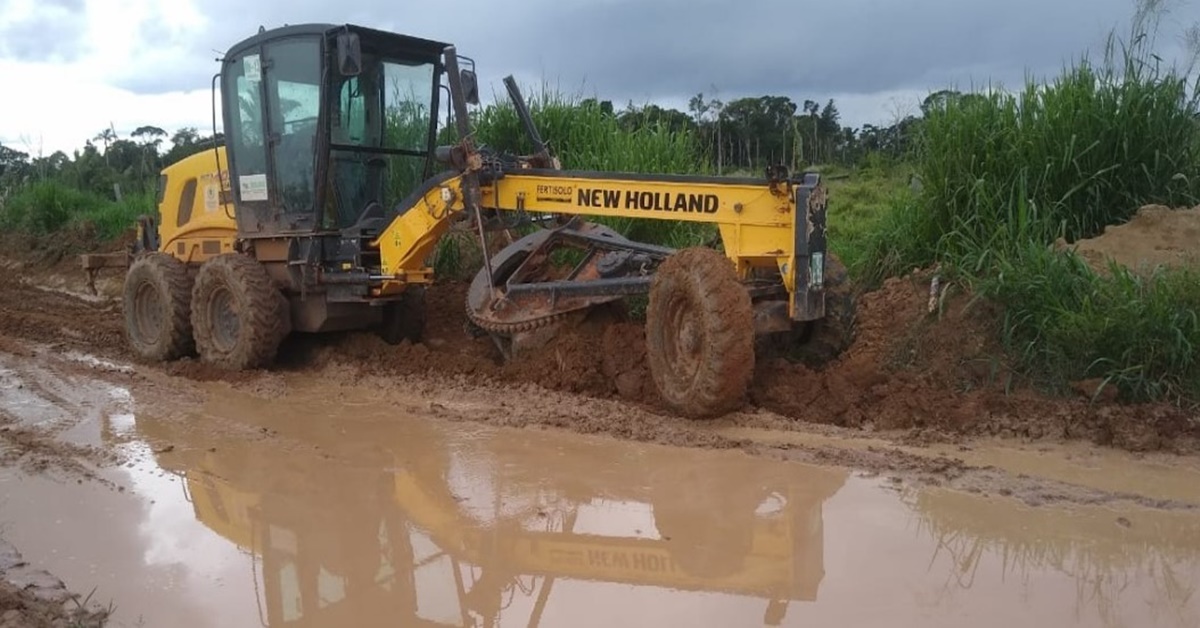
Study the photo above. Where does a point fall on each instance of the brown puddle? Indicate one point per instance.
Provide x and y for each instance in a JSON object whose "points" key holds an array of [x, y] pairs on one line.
{"points": [[323, 509]]}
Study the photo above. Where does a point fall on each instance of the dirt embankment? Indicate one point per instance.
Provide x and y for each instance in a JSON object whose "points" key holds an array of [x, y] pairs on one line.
{"points": [[939, 374], [936, 374], [1157, 236]]}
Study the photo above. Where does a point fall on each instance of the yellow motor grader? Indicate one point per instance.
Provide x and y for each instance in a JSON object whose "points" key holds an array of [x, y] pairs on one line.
{"points": [[324, 204]]}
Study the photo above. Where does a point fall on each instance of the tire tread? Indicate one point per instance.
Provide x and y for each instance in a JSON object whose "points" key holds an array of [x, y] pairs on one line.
{"points": [[265, 313], [708, 279]]}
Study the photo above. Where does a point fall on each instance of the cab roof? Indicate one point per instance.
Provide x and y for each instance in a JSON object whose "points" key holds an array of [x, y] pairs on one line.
{"points": [[372, 39]]}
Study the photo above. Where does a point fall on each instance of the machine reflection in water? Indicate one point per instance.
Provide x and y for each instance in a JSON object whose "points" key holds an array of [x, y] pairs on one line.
{"points": [[467, 534]]}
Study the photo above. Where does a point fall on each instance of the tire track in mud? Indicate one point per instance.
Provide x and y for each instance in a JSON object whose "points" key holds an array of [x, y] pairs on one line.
{"points": [[49, 402]]}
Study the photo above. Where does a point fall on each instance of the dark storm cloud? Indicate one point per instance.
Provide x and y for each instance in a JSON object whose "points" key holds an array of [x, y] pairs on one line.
{"points": [[53, 32], [645, 50], [785, 46]]}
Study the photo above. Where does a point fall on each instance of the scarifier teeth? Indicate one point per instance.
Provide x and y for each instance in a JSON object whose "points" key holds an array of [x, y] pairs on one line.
{"points": [[507, 329]]}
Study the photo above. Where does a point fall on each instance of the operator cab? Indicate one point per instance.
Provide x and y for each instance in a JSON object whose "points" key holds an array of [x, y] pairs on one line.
{"points": [[328, 127]]}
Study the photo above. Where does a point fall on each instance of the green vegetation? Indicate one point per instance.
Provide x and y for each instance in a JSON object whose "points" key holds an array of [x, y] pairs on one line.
{"points": [[1063, 158], [47, 206], [587, 135], [1065, 322], [858, 203], [41, 195], [1003, 176]]}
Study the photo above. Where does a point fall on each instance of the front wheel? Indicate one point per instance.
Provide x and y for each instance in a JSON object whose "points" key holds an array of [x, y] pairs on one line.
{"points": [[700, 333], [239, 317]]}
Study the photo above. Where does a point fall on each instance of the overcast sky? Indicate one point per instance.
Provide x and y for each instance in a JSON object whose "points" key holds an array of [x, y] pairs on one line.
{"points": [[72, 67]]}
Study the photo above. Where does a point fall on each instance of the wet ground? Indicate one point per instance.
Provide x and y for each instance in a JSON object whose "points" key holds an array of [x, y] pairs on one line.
{"points": [[332, 498], [359, 484]]}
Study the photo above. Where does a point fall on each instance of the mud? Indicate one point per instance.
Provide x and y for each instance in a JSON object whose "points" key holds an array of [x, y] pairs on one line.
{"points": [[330, 497], [1156, 237], [932, 376], [355, 482], [34, 598], [936, 376]]}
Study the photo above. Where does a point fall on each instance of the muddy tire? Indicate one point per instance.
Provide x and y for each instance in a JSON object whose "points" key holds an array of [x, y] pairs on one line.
{"points": [[822, 341], [699, 333], [239, 316], [156, 303], [404, 319]]}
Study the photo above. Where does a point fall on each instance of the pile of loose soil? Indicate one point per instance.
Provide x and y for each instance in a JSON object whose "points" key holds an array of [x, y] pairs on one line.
{"points": [[945, 371], [38, 310], [909, 369], [1157, 236]]}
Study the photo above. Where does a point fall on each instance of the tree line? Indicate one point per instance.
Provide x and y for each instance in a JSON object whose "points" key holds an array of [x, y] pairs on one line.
{"points": [[754, 132], [745, 134], [106, 163]]}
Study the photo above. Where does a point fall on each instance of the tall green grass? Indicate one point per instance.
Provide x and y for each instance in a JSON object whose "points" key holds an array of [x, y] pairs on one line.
{"points": [[858, 201], [1139, 333], [1059, 159], [111, 219], [586, 137], [48, 206], [1005, 175]]}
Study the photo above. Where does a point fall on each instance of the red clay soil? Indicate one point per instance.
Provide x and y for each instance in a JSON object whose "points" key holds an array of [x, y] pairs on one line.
{"points": [[908, 369], [944, 371]]}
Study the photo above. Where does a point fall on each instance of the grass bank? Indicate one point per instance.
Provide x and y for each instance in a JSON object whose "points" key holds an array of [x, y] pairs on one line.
{"points": [[1004, 175]]}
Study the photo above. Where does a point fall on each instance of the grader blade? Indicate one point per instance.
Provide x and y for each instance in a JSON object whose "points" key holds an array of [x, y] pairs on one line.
{"points": [[93, 263], [554, 277]]}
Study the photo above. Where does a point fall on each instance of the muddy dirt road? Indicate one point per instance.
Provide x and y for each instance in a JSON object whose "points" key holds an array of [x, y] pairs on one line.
{"points": [[329, 500], [362, 485]]}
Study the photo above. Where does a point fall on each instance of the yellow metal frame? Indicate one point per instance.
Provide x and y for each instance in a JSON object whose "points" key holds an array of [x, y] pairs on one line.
{"points": [[211, 229], [756, 220]]}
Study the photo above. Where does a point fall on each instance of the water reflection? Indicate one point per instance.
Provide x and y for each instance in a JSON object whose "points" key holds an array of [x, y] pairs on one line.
{"points": [[1125, 569], [413, 526]]}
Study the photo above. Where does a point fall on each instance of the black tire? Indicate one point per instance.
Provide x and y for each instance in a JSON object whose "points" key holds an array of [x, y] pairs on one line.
{"points": [[822, 341], [239, 316], [700, 333], [156, 303], [404, 318]]}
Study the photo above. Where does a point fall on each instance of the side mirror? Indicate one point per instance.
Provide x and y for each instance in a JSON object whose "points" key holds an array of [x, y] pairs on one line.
{"points": [[349, 54], [470, 86]]}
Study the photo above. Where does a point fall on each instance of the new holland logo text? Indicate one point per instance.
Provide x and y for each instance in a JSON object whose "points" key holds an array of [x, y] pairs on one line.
{"points": [[648, 201]]}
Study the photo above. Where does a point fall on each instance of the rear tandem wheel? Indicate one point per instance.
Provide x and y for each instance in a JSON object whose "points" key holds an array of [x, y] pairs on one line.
{"points": [[156, 304], [239, 316]]}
